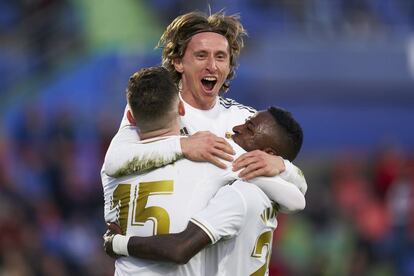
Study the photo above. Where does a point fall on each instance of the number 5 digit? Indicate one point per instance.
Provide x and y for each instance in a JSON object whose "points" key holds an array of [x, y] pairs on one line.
{"points": [[156, 214]]}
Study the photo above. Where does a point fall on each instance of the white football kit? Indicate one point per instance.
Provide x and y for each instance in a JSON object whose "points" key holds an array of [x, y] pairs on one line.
{"points": [[241, 219], [161, 201], [127, 155]]}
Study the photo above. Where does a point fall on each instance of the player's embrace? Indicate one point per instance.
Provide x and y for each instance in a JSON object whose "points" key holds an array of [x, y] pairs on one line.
{"points": [[200, 53]]}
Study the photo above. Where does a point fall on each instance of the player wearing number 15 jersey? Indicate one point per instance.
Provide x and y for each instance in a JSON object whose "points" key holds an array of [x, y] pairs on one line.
{"points": [[160, 202]]}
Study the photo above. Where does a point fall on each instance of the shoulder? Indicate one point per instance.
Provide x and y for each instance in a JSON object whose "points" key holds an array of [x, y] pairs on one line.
{"points": [[201, 170], [231, 104], [253, 197]]}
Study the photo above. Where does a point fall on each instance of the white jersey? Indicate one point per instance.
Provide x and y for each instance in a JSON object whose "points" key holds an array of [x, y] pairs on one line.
{"points": [[219, 120], [243, 218], [160, 202]]}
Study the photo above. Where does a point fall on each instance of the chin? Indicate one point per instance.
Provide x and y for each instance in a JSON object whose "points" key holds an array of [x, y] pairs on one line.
{"points": [[211, 93], [235, 138]]}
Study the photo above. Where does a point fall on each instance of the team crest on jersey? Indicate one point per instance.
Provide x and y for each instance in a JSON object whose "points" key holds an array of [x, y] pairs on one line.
{"points": [[269, 213]]}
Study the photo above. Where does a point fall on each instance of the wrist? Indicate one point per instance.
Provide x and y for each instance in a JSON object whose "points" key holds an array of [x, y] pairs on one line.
{"points": [[183, 145], [120, 245]]}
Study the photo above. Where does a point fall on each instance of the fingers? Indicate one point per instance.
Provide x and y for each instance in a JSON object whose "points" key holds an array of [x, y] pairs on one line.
{"points": [[221, 154], [214, 157], [114, 228], [215, 161], [258, 163], [250, 169], [252, 174], [244, 160], [107, 245], [205, 146], [222, 150], [223, 145]]}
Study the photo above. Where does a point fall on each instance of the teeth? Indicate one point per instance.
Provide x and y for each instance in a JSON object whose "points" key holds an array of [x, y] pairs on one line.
{"points": [[210, 78]]}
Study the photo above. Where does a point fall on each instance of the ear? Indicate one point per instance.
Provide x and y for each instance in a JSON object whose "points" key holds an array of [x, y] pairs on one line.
{"points": [[178, 65], [131, 118], [181, 109], [270, 151]]}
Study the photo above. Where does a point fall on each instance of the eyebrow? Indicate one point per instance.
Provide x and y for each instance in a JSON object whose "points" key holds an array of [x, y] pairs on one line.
{"points": [[249, 122], [200, 52], [220, 52]]}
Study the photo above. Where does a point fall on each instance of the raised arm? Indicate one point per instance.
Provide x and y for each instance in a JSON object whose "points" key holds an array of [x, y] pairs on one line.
{"points": [[288, 196], [178, 248], [127, 155]]}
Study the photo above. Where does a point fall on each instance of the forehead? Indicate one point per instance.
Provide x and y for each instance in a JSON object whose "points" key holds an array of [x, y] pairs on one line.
{"points": [[208, 41], [263, 117]]}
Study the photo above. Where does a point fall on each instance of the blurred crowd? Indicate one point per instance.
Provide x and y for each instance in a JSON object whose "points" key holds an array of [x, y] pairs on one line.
{"points": [[359, 218], [51, 202], [313, 17], [35, 35]]}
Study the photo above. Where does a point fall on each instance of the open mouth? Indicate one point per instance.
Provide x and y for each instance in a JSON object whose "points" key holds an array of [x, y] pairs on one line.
{"points": [[209, 83]]}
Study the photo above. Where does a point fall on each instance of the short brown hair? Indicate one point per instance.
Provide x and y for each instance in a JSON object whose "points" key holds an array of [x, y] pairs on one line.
{"points": [[151, 95], [176, 37]]}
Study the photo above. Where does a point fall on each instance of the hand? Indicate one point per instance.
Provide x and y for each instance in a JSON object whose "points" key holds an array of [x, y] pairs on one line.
{"points": [[112, 229], [205, 146], [258, 163]]}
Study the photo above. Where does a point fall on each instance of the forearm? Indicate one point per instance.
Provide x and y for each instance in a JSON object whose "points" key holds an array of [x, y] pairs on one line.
{"points": [[167, 248], [177, 248], [295, 176], [285, 194], [127, 156]]}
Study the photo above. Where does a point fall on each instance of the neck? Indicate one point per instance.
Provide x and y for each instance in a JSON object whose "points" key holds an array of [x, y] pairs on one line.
{"points": [[171, 131], [188, 97]]}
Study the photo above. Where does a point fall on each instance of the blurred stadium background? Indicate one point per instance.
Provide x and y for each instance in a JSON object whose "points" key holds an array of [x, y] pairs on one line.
{"points": [[344, 68]]}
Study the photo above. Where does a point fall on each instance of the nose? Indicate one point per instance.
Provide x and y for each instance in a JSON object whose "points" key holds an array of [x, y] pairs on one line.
{"points": [[238, 129], [211, 64]]}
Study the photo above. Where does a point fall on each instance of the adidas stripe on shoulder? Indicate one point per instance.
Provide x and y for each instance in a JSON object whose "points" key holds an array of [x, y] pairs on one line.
{"points": [[227, 103]]}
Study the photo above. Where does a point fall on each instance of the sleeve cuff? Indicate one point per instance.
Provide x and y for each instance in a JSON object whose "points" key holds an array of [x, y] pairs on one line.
{"points": [[206, 228]]}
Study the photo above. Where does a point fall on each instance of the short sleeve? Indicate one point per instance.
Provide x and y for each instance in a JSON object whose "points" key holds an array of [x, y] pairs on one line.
{"points": [[224, 215]]}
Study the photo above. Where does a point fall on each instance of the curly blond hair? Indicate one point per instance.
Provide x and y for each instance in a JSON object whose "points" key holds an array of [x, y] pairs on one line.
{"points": [[176, 37]]}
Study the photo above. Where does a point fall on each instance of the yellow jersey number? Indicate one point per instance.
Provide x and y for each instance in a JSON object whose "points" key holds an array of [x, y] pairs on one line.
{"points": [[263, 240], [142, 213]]}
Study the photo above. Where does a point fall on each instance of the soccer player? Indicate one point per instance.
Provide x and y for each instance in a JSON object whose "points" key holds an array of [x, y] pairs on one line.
{"points": [[201, 52], [162, 201]]}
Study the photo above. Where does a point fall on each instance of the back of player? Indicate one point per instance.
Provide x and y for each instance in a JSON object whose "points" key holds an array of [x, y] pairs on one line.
{"points": [[245, 246], [160, 202]]}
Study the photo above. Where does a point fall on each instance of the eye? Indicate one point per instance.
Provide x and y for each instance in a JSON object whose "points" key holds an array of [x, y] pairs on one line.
{"points": [[200, 55], [250, 126], [221, 56]]}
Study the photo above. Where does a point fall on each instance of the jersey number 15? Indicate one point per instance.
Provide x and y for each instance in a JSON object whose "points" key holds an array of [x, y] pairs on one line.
{"points": [[123, 200]]}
